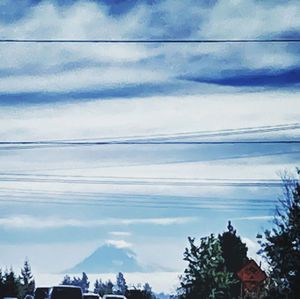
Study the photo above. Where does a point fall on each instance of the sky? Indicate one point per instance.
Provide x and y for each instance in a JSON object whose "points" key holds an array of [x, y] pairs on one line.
{"points": [[111, 156]]}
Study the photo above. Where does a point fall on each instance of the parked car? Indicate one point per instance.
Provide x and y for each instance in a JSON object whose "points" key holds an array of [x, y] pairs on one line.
{"points": [[41, 293], [114, 297], [91, 296], [65, 292]]}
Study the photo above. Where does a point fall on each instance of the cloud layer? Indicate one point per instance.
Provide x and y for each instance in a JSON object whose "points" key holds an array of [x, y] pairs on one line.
{"points": [[109, 68], [29, 222]]}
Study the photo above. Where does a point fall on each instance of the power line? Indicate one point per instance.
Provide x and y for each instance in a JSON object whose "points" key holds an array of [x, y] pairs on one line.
{"points": [[188, 134], [145, 201], [37, 143], [150, 41], [26, 174], [137, 182]]}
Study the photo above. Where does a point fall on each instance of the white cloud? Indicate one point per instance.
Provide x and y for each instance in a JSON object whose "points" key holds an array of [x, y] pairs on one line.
{"points": [[250, 19], [118, 243], [25, 221], [121, 234], [160, 221], [130, 117], [92, 78]]}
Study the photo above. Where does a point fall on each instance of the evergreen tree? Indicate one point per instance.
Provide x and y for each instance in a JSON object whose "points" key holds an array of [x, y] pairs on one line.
{"points": [[84, 283], [206, 275], [109, 287], [11, 285], [147, 290], [102, 288], [77, 281], [28, 283], [138, 293], [97, 286], [281, 246], [67, 280], [234, 252], [121, 284], [1, 284]]}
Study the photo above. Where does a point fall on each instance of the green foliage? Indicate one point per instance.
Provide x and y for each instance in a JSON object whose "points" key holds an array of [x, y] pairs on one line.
{"points": [[234, 252], [281, 246], [206, 275]]}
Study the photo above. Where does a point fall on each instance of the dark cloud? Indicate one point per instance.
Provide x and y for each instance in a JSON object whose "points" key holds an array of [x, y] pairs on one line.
{"points": [[125, 91], [12, 11], [117, 91], [253, 78]]}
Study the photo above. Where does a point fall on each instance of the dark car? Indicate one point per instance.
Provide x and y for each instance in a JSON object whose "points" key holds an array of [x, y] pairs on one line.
{"points": [[65, 292], [41, 293]]}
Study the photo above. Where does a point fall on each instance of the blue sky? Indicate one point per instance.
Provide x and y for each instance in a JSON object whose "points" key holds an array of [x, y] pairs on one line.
{"points": [[61, 202]]}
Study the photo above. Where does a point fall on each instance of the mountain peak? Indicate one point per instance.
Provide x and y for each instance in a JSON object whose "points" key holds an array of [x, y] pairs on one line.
{"points": [[108, 259]]}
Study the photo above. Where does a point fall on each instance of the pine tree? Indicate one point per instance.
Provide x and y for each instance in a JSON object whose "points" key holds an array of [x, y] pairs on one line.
{"points": [[96, 286], [1, 284], [67, 280], [11, 285], [77, 281], [102, 288], [147, 290], [234, 252], [109, 287], [28, 283], [84, 283], [281, 246], [121, 284]]}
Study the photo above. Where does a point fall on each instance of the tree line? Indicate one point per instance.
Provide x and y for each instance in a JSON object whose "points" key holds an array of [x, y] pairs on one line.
{"points": [[120, 288], [213, 264], [19, 286]]}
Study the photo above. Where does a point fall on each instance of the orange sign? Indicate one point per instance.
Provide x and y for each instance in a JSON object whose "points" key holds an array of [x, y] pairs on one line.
{"points": [[251, 275]]}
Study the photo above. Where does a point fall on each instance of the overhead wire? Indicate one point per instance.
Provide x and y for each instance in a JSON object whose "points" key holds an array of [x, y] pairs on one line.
{"points": [[147, 41], [150, 142]]}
